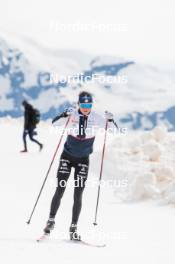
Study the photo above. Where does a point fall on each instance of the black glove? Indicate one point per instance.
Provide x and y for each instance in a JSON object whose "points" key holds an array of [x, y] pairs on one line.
{"points": [[66, 113], [109, 116]]}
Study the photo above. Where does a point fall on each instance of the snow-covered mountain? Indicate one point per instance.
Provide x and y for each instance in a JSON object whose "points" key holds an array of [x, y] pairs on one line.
{"points": [[141, 96]]}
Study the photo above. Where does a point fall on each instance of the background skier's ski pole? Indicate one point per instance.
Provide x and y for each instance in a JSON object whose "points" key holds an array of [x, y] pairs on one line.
{"points": [[101, 171], [47, 174]]}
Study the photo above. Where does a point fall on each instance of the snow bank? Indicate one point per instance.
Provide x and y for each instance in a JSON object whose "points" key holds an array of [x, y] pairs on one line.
{"points": [[146, 161], [141, 165]]}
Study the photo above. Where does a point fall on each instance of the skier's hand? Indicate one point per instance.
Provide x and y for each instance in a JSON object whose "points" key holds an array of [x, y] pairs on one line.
{"points": [[109, 116], [66, 113]]}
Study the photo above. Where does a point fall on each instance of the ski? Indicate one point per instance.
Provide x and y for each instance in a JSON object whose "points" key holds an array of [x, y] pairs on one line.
{"points": [[85, 243], [44, 237]]}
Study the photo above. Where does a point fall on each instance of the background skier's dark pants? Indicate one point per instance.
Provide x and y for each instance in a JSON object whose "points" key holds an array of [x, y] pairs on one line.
{"points": [[31, 134], [81, 166]]}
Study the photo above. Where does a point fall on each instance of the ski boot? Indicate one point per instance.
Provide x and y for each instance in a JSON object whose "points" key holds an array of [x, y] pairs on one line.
{"points": [[23, 151], [40, 147], [73, 233], [50, 226]]}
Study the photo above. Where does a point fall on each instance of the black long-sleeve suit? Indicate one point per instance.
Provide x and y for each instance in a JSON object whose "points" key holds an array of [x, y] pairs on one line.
{"points": [[67, 162]]}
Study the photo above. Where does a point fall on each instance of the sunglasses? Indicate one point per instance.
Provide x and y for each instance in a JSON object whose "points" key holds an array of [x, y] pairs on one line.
{"points": [[86, 105]]}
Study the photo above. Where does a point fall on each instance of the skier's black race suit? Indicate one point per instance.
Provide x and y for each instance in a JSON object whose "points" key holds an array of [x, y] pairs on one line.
{"points": [[81, 166], [75, 155], [77, 148]]}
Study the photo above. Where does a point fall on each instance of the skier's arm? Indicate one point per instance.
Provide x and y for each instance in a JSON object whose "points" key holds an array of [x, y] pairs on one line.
{"points": [[65, 114], [109, 116], [100, 120], [58, 117]]}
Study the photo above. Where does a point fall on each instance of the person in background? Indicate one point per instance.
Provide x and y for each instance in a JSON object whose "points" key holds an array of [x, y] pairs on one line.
{"points": [[31, 119]]}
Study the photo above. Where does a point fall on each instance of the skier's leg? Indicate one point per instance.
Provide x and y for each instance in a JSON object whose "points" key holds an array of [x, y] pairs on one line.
{"points": [[25, 133], [80, 177], [63, 174], [31, 136]]}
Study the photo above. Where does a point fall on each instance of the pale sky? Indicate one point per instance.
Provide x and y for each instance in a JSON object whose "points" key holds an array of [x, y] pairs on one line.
{"points": [[148, 24]]}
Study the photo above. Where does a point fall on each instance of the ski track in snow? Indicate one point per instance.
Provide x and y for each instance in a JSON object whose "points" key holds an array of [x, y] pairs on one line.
{"points": [[143, 231]]}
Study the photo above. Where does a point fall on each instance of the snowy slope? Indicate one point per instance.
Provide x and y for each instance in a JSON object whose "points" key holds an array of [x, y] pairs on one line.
{"points": [[141, 96], [46, 59], [134, 232]]}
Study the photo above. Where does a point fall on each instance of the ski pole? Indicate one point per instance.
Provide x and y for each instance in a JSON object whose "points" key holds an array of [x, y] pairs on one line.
{"points": [[101, 171], [47, 174], [115, 124]]}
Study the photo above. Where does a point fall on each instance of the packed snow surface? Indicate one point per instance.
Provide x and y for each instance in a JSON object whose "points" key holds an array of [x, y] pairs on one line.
{"points": [[136, 216]]}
